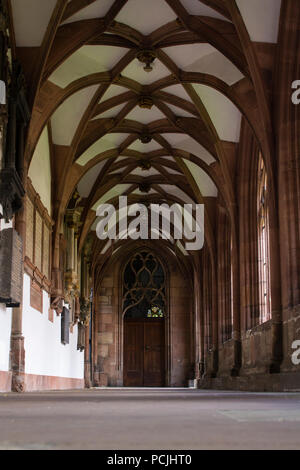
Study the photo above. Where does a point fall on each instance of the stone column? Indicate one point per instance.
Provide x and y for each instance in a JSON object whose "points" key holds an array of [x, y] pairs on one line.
{"points": [[287, 125], [198, 322], [215, 339], [85, 315], [210, 307], [71, 275], [17, 350]]}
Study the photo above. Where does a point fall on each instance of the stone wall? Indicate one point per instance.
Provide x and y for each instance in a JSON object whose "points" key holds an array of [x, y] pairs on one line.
{"points": [[291, 333], [181, 297], [226, 358], [256, 350], [107, 373]]}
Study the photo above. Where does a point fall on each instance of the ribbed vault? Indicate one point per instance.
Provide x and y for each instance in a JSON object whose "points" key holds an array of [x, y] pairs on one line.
{"points": [[145, 98]]}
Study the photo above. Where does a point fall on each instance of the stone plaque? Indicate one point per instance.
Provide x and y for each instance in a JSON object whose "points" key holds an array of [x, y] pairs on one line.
{"points": [[36, 297], [65, 326], [11, 255]]}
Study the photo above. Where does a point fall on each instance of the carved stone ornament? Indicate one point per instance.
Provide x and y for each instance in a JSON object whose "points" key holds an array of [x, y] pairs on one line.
{"points": [[145, 138], [81, 337], [85, 311], [57, 305], [147, 57], [146, 102], [145, 165], [11, 193], [70, 295], [3, 18], [145, 187]]}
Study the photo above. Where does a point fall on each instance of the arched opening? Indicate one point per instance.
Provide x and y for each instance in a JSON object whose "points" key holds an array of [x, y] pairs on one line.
{"points": [[263, 243], [144, 303]]}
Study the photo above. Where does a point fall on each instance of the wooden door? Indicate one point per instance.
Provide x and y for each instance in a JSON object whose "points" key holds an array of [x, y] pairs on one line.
{"points": [[144, 353], [154, 353], [133, 354]]}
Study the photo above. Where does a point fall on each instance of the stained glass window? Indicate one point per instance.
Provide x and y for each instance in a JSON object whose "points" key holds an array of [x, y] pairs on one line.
{"points": [[155, 312], [263, 243], [144, 287]]}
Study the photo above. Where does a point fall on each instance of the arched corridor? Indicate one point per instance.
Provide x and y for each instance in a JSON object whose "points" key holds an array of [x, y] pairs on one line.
{"points": [[149, 195]]}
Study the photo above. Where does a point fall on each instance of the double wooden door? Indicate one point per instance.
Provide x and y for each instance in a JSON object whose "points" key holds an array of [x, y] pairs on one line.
{"points": [[144, 353]]}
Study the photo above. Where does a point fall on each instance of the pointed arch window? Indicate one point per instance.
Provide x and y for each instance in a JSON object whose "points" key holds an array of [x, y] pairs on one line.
{"points": [[144, 291], [263, 244]]}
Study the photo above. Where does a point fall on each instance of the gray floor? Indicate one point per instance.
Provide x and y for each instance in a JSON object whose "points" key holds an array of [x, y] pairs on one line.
{"points": [[149, 419]]}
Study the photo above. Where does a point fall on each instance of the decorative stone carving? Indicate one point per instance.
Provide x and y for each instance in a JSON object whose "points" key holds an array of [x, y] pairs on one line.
{"points": [[12, 133], [72, 294], [145, 138], [147, 57], [57, 304], [81, 337], [13, 115], [145, 165], [146, 102], [145, 187], [11, 193], [70, 297], [85, 311]]}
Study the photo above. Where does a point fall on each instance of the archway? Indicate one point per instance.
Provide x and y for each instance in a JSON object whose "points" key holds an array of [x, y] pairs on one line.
{"points": [[144, 304]]}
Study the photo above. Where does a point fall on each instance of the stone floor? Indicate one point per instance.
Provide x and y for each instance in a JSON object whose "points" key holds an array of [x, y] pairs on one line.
{"points": [[149, 419]]}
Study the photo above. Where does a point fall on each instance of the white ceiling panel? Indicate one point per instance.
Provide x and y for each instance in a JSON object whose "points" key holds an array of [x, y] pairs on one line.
{"points": [[87, 182], [224, 114], [97, 9], [110, 141], [112, 91], [117, 190], [178, 90], [86, 61], [203, 58], [146, 16], [179, 111], [31, 18], [111, 113], [261, 18], [205, 184], [188, 144], [67, 117], [194, 7], [174, 191]]}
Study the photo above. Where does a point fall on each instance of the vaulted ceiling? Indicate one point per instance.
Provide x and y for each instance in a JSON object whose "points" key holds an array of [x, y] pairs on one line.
{"points": [[144, 98]]}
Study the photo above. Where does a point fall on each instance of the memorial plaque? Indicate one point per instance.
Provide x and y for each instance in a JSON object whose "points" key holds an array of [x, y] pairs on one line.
{"points": [[36, 296], [65, 326], [11, 255], [81, 337]]}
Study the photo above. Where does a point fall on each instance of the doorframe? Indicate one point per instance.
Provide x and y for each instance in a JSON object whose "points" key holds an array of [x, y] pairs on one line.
{"points": [[120, 325]]}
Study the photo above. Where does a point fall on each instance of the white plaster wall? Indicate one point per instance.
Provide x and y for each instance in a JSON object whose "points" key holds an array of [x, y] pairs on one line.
{"points": [[5, 321], [5, 331], [44, 352]]}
